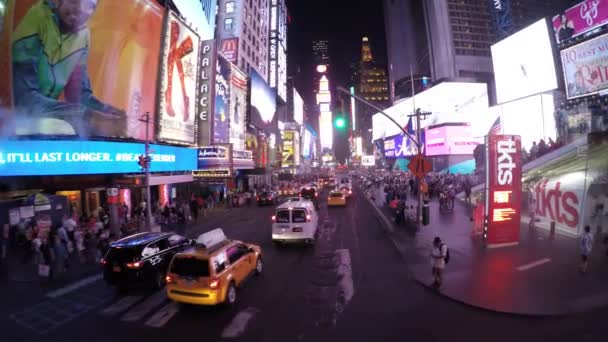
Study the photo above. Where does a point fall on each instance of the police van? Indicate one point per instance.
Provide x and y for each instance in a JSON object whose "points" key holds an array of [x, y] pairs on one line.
{"points": [[295, 221]]}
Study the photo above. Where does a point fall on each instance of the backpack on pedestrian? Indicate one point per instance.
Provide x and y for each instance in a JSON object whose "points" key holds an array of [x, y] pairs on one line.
{"points": [[446, 259]]}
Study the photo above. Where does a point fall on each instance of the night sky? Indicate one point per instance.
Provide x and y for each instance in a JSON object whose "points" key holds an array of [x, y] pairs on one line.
{"points": [[343, 23]]}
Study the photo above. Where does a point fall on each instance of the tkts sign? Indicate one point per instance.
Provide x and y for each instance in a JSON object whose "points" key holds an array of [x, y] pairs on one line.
{"points": [[503, 190]]}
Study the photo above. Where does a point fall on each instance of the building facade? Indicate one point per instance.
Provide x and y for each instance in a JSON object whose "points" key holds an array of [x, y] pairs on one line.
{"points": [[247, 23]]}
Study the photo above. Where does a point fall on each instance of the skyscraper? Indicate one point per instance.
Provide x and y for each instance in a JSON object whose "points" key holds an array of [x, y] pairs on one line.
{"points": [[244, 26], [373, 87]]}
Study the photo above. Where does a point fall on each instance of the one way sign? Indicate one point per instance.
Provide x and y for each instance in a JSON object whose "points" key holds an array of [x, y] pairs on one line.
{"points": [[420, 166]]}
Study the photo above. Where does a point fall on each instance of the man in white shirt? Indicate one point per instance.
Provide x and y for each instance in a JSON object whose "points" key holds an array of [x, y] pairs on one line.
{"points": [[70, 225], [438, 256]]}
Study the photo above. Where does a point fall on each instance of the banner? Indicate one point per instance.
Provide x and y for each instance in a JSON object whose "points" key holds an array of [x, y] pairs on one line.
{"points": [[580, 18], [230, 49], [238, 107], [206, 92], [221, 118], [560, 200], [503, 190], [73, 71], [177, 105], [503, 18], [288, 154], [75, 157], [586, 67]]}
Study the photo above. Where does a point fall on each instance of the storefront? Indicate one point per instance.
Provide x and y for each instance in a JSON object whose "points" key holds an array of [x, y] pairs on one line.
{"points": [[81, 171], [220, 168]]}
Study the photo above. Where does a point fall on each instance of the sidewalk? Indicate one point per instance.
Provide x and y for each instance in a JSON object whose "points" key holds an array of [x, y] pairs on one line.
{"points": [[537, 277]]}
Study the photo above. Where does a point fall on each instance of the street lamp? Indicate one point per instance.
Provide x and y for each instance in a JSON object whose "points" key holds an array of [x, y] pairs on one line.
{"points": [[145, 118]]}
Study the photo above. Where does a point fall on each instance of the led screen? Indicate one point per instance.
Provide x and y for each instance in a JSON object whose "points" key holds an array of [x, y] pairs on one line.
{"points": [[449, 139], [263, 103], [298, 108], [524, 63], [97, 79]]}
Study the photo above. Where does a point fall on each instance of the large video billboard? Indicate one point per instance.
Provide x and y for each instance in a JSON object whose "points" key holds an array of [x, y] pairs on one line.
{"points": [[298, 107], [503, 190], [238, 107], [78, 70], [580, 18], [524, 63], [585, 67], [177, 108], [263, 103], [221, 113], [449, 139]]}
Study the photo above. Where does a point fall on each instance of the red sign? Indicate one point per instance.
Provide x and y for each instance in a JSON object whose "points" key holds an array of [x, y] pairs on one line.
{"points": [[230, 49], [503, 190], [420, 166], [580, 18]]}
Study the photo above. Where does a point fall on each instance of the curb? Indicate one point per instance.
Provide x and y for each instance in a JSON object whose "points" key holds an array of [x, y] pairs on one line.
{"points": [[388, 226]]}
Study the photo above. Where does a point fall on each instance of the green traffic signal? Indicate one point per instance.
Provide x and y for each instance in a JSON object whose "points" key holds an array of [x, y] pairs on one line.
{"points": [[340, 123]]}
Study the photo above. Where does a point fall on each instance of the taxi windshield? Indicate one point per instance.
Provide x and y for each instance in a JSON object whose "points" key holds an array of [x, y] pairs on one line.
{"points": [[335, 194], [190, 267]]}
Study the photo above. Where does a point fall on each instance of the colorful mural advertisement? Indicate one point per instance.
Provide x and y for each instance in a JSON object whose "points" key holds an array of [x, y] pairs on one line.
{"points": [[221, 115]]}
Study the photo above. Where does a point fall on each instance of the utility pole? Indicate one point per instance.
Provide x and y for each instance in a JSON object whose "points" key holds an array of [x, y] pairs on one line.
{"points": [[145, 118], [419, 116]]}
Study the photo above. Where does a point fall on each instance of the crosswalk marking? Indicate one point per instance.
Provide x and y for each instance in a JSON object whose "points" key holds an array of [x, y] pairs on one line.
{"points": [[74, 286], [239, 323], [120, 305], [140, 310], [162, 316]]}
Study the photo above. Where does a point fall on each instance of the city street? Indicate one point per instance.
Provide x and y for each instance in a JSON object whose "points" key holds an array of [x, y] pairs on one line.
{"points": [[301, 296]]}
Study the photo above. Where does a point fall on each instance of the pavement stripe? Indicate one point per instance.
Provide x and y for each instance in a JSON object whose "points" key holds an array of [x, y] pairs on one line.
{"points": [[239, 323], [139, 311], [162, 316], [533, 264], [74, 286], [120, 305]]}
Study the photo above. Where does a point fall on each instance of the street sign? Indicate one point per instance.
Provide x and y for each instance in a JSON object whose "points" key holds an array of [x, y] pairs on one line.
{"points": [[420, 166]]}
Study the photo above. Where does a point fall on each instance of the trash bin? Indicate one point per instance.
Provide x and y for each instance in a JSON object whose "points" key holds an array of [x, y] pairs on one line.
{"points": [[426, 212]]}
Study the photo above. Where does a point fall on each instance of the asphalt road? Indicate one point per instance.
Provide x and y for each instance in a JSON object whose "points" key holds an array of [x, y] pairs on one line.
{"points": [[353, 285]]}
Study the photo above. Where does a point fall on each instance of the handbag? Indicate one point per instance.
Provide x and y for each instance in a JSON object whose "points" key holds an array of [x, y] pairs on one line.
{"points": [[44, 270]]}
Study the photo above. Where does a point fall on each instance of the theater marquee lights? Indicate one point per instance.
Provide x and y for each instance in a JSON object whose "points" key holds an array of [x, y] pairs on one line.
{"points": [[503, 190]]}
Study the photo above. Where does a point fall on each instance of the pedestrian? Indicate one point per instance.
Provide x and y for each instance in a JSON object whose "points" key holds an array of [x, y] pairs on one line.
{"points": [[60, 253], [439, 254], [585, 245]]}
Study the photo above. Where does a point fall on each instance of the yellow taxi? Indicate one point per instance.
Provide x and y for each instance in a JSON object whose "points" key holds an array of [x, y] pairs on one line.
{"points": [[336, 198], [210, 272]]}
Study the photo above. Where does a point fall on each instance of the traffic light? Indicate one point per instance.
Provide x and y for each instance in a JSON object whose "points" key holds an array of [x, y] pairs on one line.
{"points": [[340, 123]]}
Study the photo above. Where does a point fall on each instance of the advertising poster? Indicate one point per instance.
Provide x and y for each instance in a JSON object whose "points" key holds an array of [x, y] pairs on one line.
{"points": [[238, 107], [298, 107], [263, 104], [288, 159], [503, 17], [503, 190], [586, 67], [177, 105], [579, 19], [206, 92], [80, 72], [221, 115], [230, 49], [454, 139]]}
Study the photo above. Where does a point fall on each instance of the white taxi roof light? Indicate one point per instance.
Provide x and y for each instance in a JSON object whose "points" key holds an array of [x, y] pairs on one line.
{"points": [[211, 238]]}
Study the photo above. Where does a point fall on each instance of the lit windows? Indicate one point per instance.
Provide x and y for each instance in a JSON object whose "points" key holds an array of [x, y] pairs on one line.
{"points": [[230, 7], [228, 24]]}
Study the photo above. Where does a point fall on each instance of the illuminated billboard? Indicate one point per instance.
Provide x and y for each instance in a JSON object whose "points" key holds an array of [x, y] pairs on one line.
{"points": [[368, 160], [580, 19], [229, 48], [97, 79], [289, 149], [448, 139], [206, 92], [503, 190], [326, 130], [307, 144], [585, 67], [177, 105], [278, 48], [298, 107], [221, 112], [263, 103], [524, 63], [238, 107]]}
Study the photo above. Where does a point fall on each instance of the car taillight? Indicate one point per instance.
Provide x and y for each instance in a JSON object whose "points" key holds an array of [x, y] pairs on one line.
{"points": [[257, 198], [103, 261], [136, 264], [307, 218], [169, 279], [274, 218], [214, 284]]}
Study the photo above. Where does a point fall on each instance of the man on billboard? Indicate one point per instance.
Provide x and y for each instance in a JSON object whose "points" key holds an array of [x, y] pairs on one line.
{"points": [[50, 78]]}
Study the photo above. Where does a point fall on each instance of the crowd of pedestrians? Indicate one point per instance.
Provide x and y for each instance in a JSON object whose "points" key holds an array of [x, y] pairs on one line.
{"points": [[540, 149]]}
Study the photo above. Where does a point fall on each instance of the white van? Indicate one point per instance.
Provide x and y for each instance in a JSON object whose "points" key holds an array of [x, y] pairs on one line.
{"points": [[295, 221]]}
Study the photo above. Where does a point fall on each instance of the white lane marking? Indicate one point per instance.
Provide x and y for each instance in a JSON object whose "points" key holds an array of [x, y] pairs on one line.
{"points": [[74, 286], [346, 286], [533, 264], [162, 316], [237, 327], [120, 305], [140, 310]]}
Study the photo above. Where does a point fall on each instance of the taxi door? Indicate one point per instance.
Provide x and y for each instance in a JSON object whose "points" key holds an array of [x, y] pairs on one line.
{"points": [[239, 262]]}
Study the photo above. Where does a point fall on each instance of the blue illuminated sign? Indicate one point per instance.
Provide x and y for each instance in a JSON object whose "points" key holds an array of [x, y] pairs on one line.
{"points": [[74, 157]]}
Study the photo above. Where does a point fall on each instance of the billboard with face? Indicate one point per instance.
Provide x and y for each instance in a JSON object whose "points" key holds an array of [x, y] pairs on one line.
{"points": [[177, 109], [80, 67], [263, 104], [238, 107], [221, 118]]}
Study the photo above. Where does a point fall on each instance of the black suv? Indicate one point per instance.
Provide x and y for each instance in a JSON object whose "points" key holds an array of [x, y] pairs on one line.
{"points": [[141, 259], [311, 195], [267, 197]]}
